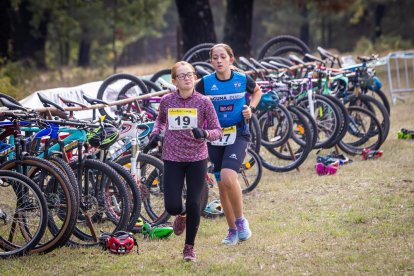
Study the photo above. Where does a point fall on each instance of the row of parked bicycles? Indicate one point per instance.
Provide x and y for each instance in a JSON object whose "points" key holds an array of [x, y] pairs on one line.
{"points": [[66, 181]]}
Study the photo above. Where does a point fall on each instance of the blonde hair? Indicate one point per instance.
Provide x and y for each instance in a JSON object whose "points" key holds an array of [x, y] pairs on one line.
{"points": [[177, 65]]}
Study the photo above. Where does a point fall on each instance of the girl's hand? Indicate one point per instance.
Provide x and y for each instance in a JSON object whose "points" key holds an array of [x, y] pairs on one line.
{"points": [[199, 133], [247, 112]]}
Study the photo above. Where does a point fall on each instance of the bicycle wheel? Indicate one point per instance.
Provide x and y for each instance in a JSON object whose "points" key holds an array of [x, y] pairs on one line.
{"points": [[375, 106], [294, 152], [164, 74], [150, 172], [255, 133], [134, 194], [104, 206], [60, 197], [67, 170], [200, 52], [343, 119], [327, 118], [250, 171], [22, 206], [110, 88], [275, 126], [363, 125], [312, 124], [281, 41], [380, 96]]}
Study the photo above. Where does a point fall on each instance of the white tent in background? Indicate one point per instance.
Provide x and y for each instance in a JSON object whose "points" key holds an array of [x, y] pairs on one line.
{"points": [[73, 93]]}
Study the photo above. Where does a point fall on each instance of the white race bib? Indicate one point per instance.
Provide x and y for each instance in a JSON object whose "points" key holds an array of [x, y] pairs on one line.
{"points": [[182, 118], [228, 138]]}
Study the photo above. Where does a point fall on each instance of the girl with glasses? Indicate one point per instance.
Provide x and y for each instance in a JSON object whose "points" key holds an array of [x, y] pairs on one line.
{"points": [[182, 116]]}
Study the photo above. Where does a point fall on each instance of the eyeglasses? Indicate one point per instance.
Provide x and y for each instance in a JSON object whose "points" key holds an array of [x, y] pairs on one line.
{"points": [[183, 76]]}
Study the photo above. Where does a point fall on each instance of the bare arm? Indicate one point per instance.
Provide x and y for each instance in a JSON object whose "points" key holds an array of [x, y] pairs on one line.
{"points": [[256, 96]]}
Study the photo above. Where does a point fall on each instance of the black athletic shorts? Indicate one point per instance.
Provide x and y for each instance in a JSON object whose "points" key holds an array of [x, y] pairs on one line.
{"points": [[230, 156]]}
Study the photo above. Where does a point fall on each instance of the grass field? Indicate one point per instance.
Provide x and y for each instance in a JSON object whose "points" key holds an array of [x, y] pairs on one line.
{"points": [[359, 221]]}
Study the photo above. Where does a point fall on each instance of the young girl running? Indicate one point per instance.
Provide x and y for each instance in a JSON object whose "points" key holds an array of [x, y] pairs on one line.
{"points": [[182, 115], [227, 89]]}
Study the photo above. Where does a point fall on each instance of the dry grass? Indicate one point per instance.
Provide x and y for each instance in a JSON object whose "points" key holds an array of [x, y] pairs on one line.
{"points": [[359, 221]]}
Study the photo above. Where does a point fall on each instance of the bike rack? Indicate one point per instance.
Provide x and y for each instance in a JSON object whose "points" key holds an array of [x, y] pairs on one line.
{"points": [[400, 68]]}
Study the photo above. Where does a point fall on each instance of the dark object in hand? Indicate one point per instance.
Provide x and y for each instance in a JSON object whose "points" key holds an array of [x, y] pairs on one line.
{"points": [[199, 133], [153, 142]]}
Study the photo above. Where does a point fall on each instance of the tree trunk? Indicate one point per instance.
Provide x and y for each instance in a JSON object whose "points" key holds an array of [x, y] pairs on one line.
{"points": [[28, 43], [238, 26], [304, 28], [5, 29], [379, 15], [196, 21], [84, 53]]}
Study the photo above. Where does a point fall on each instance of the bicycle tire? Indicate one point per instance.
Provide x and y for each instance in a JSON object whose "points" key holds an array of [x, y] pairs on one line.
{"points": [[207, 66], [255, 133], [297, 136], [151, 186], [62, 230], [374, 123], [133, 191], [328, 127], [371, 104], [301, 126], [110, 80], [285, 51], [312, 124], [344, 120], [381, 95], [252, 162], [98, 209], [282, 39], [28, 190], [67, 170], [161, 74], [198, 53], [283, 127]]}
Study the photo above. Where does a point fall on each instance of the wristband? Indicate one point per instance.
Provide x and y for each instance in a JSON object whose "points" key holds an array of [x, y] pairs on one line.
{"points": [[252, 108]]}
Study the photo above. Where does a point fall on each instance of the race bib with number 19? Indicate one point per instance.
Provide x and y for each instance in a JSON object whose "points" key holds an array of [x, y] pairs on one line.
{"points": [[182, 118]]}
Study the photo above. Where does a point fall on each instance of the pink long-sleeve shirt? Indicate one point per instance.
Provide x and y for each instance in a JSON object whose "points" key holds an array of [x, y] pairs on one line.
{"points": [[180, 145]]}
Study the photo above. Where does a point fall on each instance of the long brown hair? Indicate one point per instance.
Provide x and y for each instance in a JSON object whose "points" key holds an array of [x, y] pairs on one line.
{"points": [[229, 51], [226, 47]]}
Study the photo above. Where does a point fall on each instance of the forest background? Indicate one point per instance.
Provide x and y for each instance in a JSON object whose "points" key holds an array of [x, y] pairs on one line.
{"points": [[67, 38]]}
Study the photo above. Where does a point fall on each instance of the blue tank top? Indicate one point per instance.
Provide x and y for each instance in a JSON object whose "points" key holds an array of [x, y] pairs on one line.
{"points": [[228, 97]]}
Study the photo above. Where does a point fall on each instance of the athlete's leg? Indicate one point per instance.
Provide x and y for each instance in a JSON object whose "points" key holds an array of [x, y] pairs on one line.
{"points": [[216, 155], [230, 196], [232, 159], [195, 178], [174, 173]]}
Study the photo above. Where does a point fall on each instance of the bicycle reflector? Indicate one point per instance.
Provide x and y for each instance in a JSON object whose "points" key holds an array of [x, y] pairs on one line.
{"points": [[120, 242]]}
